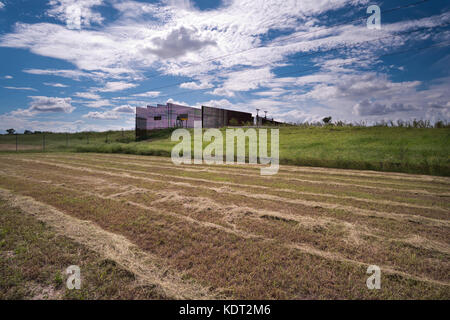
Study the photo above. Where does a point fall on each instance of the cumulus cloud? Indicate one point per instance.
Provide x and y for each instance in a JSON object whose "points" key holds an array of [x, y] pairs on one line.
{"points": [[124, 109], [177, 43], [8, 77], [117, 86], [2, 5], [75, 13], [196, 85], [42, 104], [370, 108]]}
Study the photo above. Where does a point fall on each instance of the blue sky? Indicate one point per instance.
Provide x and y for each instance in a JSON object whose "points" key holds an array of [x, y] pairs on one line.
{"points": [[85, 65]]}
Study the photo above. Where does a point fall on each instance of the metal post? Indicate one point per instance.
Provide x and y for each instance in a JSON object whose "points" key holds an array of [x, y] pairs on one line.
{"points": [[16, 142]]}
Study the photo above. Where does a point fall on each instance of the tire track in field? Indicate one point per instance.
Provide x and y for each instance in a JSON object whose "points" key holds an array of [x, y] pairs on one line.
{"points": [[301, 247], [319, 182], [353, 210], [147, 267]]}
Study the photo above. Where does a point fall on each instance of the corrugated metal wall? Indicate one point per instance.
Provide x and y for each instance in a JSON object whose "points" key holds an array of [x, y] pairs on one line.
{"points": [[168, 116], [218, 118]]}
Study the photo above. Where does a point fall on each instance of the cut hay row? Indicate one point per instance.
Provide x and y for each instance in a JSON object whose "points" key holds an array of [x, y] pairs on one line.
{"points": [[400, 196], [148, 268], [249, 243], [312, 204], [99, 181], [427, 188], [331, 197], [246, 234], [284, 169]]}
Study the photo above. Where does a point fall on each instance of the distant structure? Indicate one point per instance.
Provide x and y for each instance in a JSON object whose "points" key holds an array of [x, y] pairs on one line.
{"points": [[173, 115]]}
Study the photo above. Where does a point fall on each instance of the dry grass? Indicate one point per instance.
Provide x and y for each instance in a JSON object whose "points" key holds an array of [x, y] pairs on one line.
{"points": [[34, 255], [306, 234]]}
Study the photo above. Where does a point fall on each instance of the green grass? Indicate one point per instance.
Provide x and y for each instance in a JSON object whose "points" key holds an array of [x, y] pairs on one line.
{"points": [[397, 149]]}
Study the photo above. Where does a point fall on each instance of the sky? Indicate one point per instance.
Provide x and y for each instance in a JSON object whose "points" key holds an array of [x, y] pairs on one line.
{"points": [[85, 65]]}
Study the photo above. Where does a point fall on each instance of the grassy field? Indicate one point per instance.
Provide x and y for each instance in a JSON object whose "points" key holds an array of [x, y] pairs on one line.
{"points": [[397, 149], [33, 259], [226, 231]]}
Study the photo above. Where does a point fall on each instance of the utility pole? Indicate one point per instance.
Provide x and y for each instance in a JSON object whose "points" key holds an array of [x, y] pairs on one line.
{"points": [[257, 117]]}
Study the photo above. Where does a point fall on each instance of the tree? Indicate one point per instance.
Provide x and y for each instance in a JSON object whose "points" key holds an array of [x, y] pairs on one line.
{"points": [[326, 120], [233, 122], [27, 132], [11, 131]]}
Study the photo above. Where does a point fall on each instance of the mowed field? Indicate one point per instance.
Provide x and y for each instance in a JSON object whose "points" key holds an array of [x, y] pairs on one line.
{"points": [[206, 232]]}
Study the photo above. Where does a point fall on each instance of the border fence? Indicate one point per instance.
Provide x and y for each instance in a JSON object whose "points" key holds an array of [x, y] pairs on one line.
{"points": [[46, 141]]}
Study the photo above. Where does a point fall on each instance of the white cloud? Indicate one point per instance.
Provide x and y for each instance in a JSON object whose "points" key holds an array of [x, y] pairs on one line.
{"points": [[107, 115], [244, 80], [177, 44], [8, 77], [223, 103], [98, 103], [55, 84], [20, 88], [117, 86], [114, 114], [196, 86], [369, 108], [2, 5], [87, 95], [182, 103], [124, 109], [75, 13], [174, 38], [42, 104], [173, 35], [72, 74], [149, 94]]}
